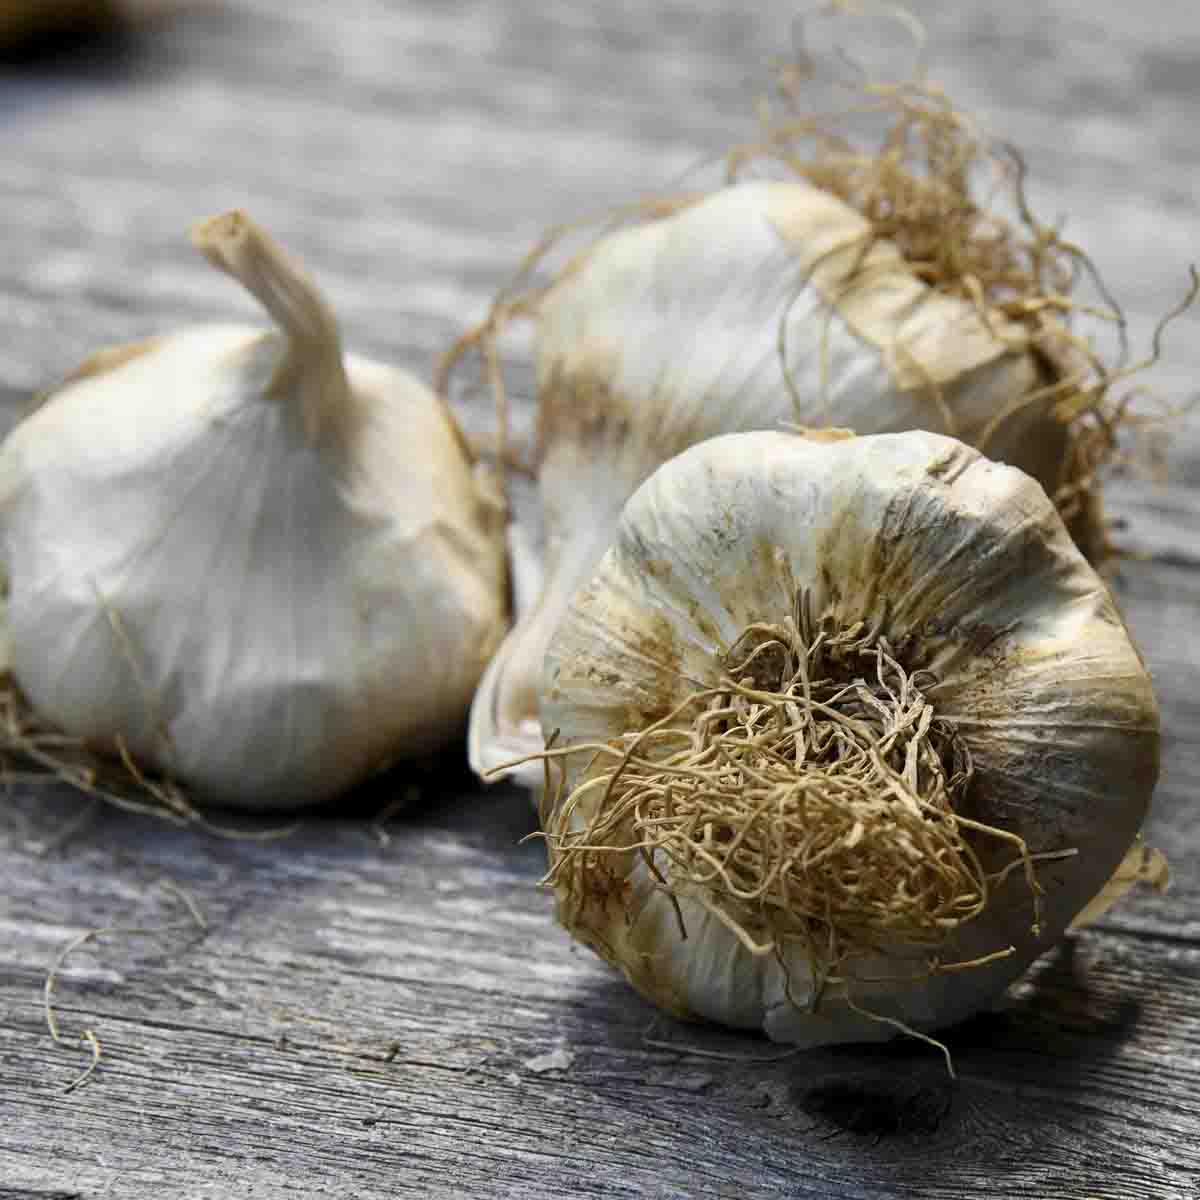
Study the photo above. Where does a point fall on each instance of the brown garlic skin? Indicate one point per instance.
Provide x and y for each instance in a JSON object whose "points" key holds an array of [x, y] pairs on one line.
{"points": [[662, 336], [966, 570]]}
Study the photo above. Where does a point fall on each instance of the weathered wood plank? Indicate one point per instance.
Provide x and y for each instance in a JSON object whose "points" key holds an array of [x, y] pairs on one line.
{"points": [[365, 1020], [452, 139], [425, 989]]}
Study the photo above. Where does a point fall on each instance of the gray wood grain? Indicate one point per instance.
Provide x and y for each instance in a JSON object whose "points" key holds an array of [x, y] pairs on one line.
{"points": [[362, 1019]]}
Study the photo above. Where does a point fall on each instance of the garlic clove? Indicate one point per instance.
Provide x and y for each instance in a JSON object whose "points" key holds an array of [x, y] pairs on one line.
{"points": [[264, 566], [1141, 864], [491, 743], [945, 608], [675, 331]]}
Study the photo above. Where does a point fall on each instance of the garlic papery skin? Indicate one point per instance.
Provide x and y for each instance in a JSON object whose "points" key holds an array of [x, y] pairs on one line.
{"points": [[679, 330], [266, 567], [944, 606]]}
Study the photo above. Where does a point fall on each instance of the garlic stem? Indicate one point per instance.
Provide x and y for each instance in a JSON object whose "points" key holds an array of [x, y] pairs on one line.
{"points": [[311, 369]]}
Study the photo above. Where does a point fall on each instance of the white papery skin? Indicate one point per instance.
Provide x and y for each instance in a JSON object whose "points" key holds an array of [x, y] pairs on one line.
{"points": [[967, 570], [667, 334], [267, 568]]}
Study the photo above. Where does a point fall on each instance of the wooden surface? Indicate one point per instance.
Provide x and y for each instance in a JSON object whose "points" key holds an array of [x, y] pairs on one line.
{"points": [[395, 1014]]}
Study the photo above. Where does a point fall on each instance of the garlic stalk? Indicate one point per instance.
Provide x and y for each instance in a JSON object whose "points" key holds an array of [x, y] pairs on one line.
{"points": [[761, 305], [847, 733], [245, 558]]}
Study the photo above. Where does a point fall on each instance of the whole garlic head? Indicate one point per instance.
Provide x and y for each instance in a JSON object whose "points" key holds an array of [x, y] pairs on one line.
{"points": [[850, 732], [761, 305], [265, 567]]}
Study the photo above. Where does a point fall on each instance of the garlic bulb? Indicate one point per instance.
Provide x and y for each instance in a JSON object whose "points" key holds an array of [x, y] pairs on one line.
{"points": [[850, 732], [264, 567], [679, 330]]}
